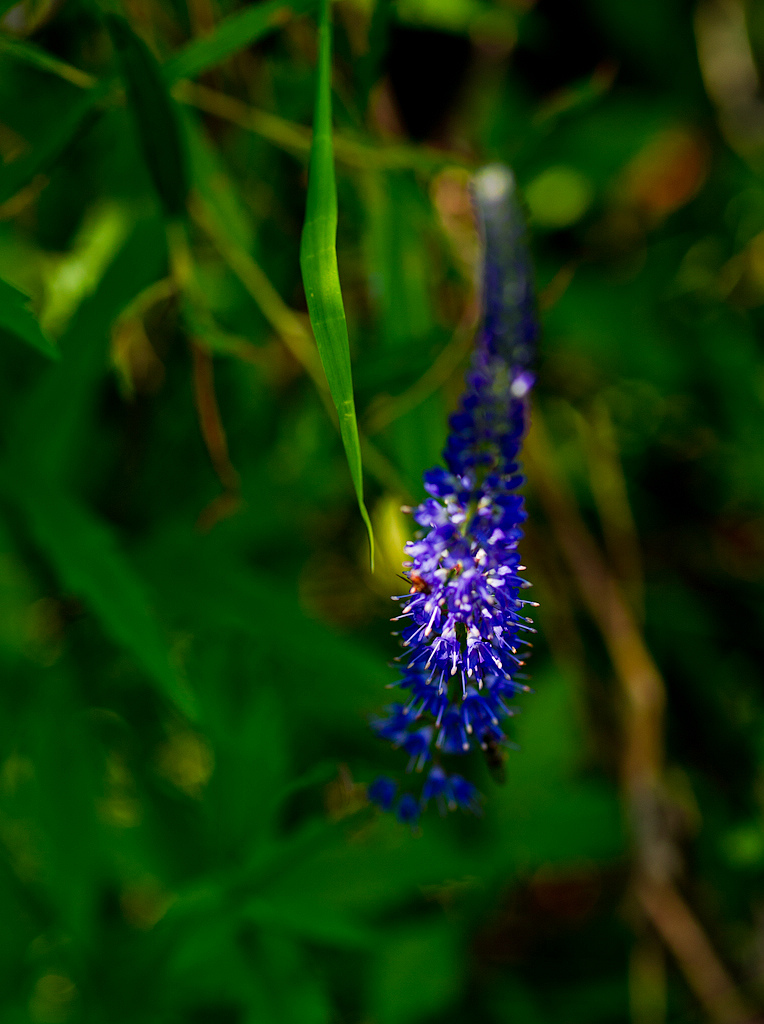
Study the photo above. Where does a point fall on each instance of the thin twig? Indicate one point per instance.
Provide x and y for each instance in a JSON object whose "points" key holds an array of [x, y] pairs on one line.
{"points": [[608, 484], [638, 674], [296, 138], [643, 691], [39, 58], [387, 409], [291, 328], [683, 935], [215, 440]]}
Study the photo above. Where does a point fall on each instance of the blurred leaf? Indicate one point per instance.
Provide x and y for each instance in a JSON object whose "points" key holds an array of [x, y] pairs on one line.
{"points": [[391, 869], [57, 135], [473, 16], [155, 116], [320, 274], [299, 991], [548, 812], [312, 923], [319, 774], [416, 974], [77, 274], [417, 438], [399, 262], [67, 393], [213, 182], [251, 763], [201, 326], [68, 769], [38, 58], [16, 594], [207, 589], [211, 965], [231, 35], [90, 565], [17, 318], [659, 38], [370, 64]]}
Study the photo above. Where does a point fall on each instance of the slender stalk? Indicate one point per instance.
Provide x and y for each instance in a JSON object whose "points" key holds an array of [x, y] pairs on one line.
{"points": [[643, 705]]}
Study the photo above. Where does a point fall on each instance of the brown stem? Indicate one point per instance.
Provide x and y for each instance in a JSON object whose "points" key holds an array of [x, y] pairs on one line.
{"points": [[640, 680], [644, 699], [683, 935], [213, 432]]}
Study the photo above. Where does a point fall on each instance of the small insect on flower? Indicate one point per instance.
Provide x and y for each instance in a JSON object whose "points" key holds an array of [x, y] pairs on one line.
{"points": [[418, 585], [465, 627]]}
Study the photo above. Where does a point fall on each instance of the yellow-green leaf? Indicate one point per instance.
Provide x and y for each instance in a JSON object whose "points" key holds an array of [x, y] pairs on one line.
{"points": [[231, 35], [18, 319]]}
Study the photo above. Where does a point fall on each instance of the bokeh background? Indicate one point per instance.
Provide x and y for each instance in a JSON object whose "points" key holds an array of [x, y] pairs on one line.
{"points": [[191, 640]]}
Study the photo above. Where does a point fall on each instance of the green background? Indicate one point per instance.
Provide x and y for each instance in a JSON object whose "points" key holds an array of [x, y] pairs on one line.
{"points": [[191, 639]]}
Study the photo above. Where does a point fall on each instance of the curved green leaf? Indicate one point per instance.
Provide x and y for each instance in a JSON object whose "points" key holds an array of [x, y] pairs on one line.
{"points": [[231, 35], [320, 274], [155, 116], [89, 563], [18, 319], [57, 136], [34, 55]]}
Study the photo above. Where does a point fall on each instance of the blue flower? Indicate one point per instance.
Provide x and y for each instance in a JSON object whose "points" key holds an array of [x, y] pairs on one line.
{"points": [[407, 810], [450, 792], [382, 792], [464, 628], [462, 793]]}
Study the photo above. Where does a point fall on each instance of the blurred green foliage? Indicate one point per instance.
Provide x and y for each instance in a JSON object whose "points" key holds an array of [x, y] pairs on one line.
{"points": [[191, 640]]}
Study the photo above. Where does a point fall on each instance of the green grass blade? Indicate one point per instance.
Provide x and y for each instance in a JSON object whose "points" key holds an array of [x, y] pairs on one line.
{"points": [[18, 319], [320, 274], [155, 116], [31, 54], [231, 35]]}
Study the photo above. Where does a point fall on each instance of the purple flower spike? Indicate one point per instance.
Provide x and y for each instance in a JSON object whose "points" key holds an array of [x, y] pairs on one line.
{"points": [[464, 625]]}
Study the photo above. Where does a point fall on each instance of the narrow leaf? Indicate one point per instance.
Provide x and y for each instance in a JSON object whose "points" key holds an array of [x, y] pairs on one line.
{"points": [[31, 54], [369, 65], [16, 317], [85, 555], [320, 274], [316, 924], [210, 178], [231, 35], [155, 116], [57, 137]]}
